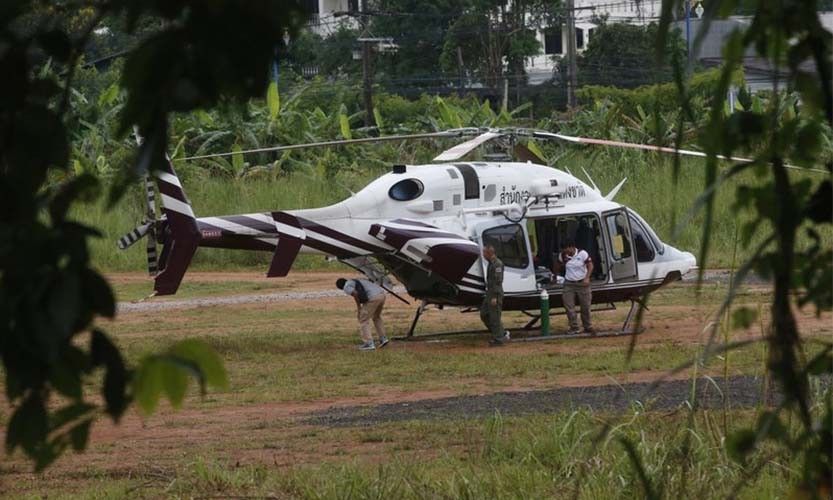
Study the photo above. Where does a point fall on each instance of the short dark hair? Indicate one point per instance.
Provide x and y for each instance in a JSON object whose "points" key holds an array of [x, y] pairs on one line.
{"points": [[569, 243], [340, 283]]}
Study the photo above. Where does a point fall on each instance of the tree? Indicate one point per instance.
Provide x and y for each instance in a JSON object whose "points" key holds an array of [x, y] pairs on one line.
{"points": [[331, 55], [624, 55], [495, 37], [795, 127], [49, 293], [419, 29]]}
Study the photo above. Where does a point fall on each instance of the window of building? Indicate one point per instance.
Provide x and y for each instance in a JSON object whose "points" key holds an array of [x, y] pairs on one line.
{"points": [[509, 243], [579, 38], [311, 6], [552, 41]]}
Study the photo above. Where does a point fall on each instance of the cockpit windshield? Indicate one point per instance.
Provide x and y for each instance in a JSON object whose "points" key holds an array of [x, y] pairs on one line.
{"points": [[658, 244]]}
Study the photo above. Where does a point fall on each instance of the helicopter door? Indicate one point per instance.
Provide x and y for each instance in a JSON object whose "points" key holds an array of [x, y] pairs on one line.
{"points": [[512, 248], [620, 248]]}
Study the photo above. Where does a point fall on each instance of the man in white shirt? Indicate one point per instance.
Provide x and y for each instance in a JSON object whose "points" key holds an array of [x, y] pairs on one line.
{"points": [[370, 299], [578, 267]]}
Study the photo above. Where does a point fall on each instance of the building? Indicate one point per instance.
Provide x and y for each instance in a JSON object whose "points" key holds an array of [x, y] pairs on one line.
{"points": [[328, 15], [553, 39]]}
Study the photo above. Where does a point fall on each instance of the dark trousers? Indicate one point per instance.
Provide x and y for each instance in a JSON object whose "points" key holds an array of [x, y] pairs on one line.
{"points": [[490, 315], [580, 291]]}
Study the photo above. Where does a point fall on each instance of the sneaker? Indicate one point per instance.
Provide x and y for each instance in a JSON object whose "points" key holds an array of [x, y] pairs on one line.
{"points": [[590, 331], [368, 346], [496, 343], [383, 341], [573, 331], [506, 336]]}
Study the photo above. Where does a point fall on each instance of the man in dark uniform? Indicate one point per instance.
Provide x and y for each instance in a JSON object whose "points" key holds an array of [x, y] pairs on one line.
{"points": [[493, 300]]}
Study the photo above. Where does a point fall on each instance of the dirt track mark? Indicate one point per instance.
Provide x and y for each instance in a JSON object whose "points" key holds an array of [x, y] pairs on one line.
{"points": [[710, 276], [743, 391]]}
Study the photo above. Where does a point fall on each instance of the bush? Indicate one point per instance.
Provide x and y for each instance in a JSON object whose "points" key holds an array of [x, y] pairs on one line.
{"points": [[661, 98]]}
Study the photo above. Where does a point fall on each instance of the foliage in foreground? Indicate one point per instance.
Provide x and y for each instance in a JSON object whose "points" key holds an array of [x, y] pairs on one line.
{"points": [[49, 294], [787, 34]]}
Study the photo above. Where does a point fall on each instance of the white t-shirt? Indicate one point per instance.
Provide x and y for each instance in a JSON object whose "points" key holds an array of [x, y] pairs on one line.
{"points": [[575, 266]]}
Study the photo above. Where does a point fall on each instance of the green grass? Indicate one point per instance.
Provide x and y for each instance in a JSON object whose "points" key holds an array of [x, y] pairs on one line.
{"points": [[552, 456], [650, 190], [276, 353]]}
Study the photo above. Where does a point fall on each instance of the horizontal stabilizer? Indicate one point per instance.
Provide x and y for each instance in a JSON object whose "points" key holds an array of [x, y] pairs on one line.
{"points": [[447, 254]]}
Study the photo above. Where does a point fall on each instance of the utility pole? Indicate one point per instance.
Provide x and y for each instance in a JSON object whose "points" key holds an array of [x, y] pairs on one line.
{"points": [[461, 71], [571, 53], [367, 80], [688, 36]]}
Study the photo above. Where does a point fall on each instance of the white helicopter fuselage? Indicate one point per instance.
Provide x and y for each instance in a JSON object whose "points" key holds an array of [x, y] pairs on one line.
{"points": [[426, 225]]}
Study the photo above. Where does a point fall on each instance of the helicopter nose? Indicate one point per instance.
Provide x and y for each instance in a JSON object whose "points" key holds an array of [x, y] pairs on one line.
{"points": [[690, 259]]}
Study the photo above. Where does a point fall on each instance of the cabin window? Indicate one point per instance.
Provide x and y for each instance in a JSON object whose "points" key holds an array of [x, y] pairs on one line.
{"points": [[644, 249], [509, 243], [406, 190], [620, 245]]}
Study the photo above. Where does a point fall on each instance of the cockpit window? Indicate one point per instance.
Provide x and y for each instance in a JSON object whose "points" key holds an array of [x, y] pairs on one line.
{"points": [[658, 244], [406, 190]]}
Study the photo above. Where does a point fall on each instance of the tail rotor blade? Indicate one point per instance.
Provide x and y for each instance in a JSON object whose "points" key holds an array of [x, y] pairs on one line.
{"points": [[153, 260], [150, 188], [133, 236]]}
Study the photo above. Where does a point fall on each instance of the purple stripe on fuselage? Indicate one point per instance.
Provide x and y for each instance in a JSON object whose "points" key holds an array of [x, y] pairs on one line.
{"points": [[313, 226], [257, 225]]}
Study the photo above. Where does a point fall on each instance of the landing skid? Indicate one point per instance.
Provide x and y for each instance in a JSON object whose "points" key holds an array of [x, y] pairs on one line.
{"points": [[627, 327]]}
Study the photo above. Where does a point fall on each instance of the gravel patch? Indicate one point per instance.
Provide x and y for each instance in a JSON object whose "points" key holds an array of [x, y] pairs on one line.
{"points": [[152, 305], [741, 391]]}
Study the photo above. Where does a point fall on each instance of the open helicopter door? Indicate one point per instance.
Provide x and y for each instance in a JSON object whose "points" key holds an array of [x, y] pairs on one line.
{"points": [[511, 243], [620, 245]]}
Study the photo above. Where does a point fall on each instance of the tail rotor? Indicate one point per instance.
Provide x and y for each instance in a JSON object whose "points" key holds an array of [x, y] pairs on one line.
{"points": [[148, 228]]}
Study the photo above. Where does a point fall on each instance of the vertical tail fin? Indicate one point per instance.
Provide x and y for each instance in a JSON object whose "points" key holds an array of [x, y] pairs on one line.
{"points": [[184, 237]]}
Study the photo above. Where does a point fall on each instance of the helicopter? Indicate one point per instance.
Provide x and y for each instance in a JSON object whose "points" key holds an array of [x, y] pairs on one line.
{"points": [[426, 226]]}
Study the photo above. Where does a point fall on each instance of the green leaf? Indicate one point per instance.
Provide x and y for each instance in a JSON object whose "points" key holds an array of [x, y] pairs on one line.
{"points": [[65, 378], [532, 146], [273, 100], [743, 317], [103, 352], [204, 358], [740, 444], [148, 383], [237, 162], [109, 96], [28, 426], [99, 294], [378, 117], [344, 123], [80, 434], [821, 364]]}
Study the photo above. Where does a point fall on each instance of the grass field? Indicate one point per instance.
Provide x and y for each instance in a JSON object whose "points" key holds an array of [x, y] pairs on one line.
{"points": [[290, 359], [650, 190]]}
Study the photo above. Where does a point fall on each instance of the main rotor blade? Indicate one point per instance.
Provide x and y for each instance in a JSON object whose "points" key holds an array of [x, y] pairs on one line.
{"points": [[651, 147], [465, 148], [430, 135]]}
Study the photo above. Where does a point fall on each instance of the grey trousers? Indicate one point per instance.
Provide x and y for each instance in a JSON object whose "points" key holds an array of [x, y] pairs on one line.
{"points": [[582, 292]]}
